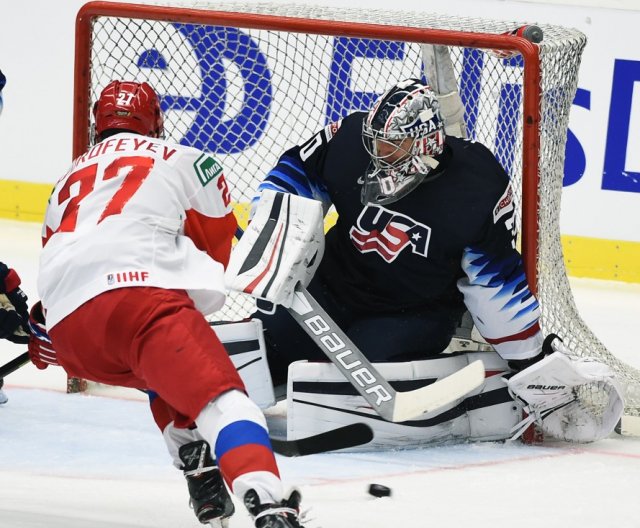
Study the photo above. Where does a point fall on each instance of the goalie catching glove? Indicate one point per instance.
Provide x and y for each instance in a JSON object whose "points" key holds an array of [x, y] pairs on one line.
{"points": [[554, 391], [282, 247]]}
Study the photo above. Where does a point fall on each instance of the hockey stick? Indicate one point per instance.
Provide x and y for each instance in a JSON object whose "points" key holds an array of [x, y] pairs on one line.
{"points": [[14, 364], [392, 405], [341, 438], [439, 71]]}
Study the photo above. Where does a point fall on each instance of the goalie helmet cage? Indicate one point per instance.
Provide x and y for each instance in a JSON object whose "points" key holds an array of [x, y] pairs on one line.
{"points": [[247, 81]]}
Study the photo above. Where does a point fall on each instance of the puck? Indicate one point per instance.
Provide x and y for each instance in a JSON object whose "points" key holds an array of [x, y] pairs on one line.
{"points": [[378, 490]]}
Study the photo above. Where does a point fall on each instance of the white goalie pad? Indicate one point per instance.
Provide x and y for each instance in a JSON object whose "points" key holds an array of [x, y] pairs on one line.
{"points": [[554, 392], [319, 399], [282, 247], [244, 342]]}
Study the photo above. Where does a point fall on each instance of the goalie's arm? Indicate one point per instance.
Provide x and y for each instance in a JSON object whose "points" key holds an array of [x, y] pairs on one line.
{"points": [[439, 71], [299, 170], [495, 288]]}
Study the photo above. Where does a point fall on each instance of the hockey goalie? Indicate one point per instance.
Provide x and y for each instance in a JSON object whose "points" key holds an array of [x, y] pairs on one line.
{"points": [[425, 234], [548, 393]]}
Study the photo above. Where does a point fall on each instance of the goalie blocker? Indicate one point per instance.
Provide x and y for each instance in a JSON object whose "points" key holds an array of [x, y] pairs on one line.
{"points": [[281, 248]]}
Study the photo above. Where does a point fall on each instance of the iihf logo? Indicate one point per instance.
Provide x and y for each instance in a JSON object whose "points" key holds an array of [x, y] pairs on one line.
{"points": [[127, 276], [388, 233]]}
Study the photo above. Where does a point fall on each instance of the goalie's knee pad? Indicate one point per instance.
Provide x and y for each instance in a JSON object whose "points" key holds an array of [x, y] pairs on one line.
{"points": [[244, 342], [319, 399]]}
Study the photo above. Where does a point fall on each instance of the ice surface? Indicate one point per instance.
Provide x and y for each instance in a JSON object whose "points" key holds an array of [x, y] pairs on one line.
{"points": [[71, 461]]}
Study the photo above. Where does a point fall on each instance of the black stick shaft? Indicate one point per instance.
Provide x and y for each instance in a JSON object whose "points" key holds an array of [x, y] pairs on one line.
{"points": [[14, 364]]}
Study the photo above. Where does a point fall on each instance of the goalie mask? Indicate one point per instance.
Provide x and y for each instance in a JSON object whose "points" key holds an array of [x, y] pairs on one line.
{"points": [[125, 105], [402, 133]]}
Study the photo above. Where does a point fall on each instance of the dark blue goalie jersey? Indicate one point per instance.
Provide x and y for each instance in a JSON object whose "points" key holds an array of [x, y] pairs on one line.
{"points": [[448, 242]]}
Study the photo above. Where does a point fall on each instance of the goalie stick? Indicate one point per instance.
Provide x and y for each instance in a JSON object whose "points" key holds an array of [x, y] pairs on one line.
{"points": [[341, 438]]}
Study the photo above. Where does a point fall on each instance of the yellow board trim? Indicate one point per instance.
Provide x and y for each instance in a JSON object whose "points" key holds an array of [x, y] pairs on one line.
{"points": [[584, 256], [599, 258], [24, 201]]}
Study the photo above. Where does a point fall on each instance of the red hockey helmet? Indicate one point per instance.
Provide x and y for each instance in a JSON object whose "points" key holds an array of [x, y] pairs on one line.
{"points": [[127, 105]]}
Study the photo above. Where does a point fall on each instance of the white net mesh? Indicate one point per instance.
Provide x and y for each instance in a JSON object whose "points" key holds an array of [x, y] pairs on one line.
{"points": [[247, 95]]}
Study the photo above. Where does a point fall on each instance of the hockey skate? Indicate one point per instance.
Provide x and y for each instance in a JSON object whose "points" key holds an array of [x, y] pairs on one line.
{"points": [[283, 514], [210, 499]]}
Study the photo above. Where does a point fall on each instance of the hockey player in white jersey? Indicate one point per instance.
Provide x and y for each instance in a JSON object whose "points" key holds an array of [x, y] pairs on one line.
{"points": [[136, 238]]}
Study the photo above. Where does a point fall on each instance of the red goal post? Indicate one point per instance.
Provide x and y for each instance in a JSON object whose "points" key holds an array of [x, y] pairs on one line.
{"points": [[246, 82]]}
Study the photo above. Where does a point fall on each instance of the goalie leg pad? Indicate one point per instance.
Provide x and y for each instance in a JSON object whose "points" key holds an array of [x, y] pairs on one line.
{"points": [[244, 342], [320, 399]]}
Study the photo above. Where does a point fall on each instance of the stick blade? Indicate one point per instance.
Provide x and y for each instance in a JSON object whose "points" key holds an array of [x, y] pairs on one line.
{"points": [[351, 435], [414, 403]]}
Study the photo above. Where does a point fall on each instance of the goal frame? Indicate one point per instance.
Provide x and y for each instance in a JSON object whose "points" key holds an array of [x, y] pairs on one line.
{"points": [[516, 97], [532, 86]]}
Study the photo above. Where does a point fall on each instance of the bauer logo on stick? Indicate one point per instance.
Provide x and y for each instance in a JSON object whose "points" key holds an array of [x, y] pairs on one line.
{"points": [[334, 345]]}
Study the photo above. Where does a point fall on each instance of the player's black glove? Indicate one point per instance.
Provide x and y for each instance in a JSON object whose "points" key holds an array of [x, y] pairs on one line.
{"points": [[14, 311]]}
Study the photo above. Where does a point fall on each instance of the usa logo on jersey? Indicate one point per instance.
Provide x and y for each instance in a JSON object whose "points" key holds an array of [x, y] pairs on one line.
{"points": [[387, 233]]}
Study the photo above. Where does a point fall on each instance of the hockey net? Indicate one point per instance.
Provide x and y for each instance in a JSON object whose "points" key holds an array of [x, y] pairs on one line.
{"points": [[247, 81]]}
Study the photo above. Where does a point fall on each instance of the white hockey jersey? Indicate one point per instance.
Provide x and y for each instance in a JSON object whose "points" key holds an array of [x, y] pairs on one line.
{"points": [[136, 211]]}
